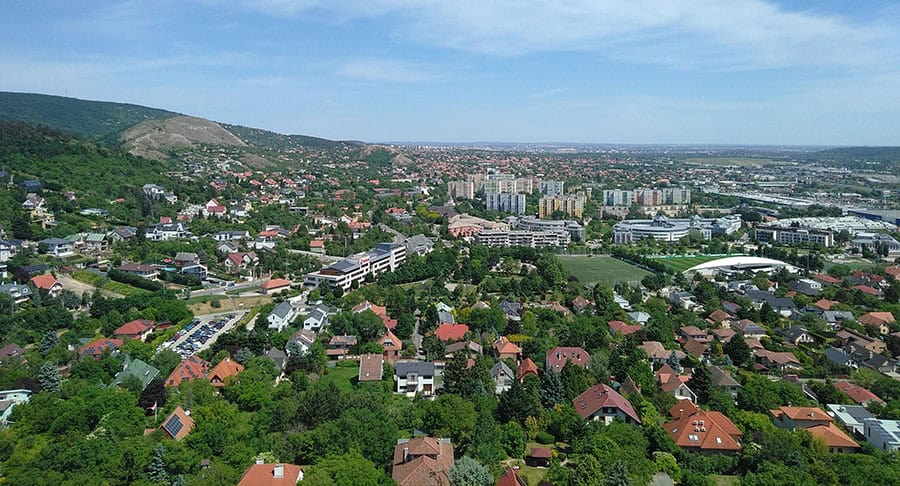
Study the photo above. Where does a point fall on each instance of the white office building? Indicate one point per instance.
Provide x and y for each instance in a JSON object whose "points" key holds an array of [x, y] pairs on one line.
{"points": [[385, 257], [665, 229]]}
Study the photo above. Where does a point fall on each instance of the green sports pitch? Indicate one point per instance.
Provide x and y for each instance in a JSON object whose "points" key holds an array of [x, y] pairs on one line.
{"points": [[593, 269], [682, 263]]}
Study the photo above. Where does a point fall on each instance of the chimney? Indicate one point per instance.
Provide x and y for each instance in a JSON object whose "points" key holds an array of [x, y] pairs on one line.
{"points": [[680, 413], [279, 471], [260, 461]]}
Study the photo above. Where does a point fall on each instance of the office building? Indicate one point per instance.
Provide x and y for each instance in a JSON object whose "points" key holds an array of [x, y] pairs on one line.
{"points": [[793, 236], [385, 257], [666, 229]]}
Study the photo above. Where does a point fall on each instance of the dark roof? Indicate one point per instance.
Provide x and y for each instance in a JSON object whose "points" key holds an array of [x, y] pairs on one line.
{"points": [[421, 368]]}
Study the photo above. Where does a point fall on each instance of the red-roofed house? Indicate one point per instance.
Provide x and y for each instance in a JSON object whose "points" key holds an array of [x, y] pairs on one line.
{"points": [[878, 320], [275, 286], [825, 304], [622, 328], [98, 346], [601, 402], [504, 349], [826, 279], [674, 384], [511, 478], [816, 422], [700, 430], [178, 424], [451, 332], [391, 346], [191, 368], [48, 283], [137, 329], [222, 371], [560, 355], [867, 290], [858, 394], [379, 311], [422, 461], [317, 246], [261, 474], [525, 368]]}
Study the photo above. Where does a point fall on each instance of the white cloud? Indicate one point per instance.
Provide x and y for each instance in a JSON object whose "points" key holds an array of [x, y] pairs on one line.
{"points": [[710, 34], [386, 70]]}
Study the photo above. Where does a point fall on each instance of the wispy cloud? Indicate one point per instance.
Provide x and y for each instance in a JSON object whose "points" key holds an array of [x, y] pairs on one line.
{"points": [[387, 70], [709, 34]]}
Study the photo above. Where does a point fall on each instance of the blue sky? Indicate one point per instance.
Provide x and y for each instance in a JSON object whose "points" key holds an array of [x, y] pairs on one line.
{"points": [[617, 71]]}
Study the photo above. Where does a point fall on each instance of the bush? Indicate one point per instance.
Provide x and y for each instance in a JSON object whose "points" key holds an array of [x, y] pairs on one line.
{"points": [[134, 280], [545, 437], [215, 304]]}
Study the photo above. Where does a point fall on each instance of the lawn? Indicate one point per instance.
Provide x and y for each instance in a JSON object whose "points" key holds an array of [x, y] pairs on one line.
{"points": [[342, 376], [593, 269], [682, 263], [120, 288]]}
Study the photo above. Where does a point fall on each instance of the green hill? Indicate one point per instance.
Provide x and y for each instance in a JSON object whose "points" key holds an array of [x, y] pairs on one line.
{"points": [[99, 120], [65, 162]]}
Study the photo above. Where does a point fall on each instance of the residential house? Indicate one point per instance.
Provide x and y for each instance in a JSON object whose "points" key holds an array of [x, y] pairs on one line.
{"points": [[835, 318], [671, 382], [640, 317], [749, 329], [412, 377], [234, 235], [721, 378], [391, 345], [280, 474], [512, 310], [19, 293], [697, 349], [470, 348], [796, 335], [580, 305], [238, 261], [840, 358], [316, 319], [57, 247], [560, 355], [445, 317], [881, 434], [601, 402], [275, 286], [8, 401], [301, 340], [178, 424], [511, 478], [167, 231], [783, 361], [451, 332], [191, 368], [146, 271], [526, 368], [503, 377], [339, 346], [724, 334], [48, 283], [806, 286], [371, 367], [620, 327], [816, 422], [137, 329], [504, 349], [317, 246], [659, 355], [422, 461], [97, 347], [281, 316], [684, 300], [138, 369], [11, 352], [858, 394], [702, 430], [879, 321], [695, 333], [782, 305], [223, 371], [419, 244], [851, 417]]}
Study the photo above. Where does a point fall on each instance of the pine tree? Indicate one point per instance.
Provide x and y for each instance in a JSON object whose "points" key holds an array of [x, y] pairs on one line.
{"points": [[48, 377], [48, 342], [156, 470], [738, 351], [701, 383], [552, 389], [674, 363]]}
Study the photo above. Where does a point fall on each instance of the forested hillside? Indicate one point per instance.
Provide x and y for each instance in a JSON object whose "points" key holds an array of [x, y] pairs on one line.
{"points": [[100, 120]]}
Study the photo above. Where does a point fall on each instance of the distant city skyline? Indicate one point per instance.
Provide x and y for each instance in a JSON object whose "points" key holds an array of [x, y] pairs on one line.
{"points": [[658, 72]]}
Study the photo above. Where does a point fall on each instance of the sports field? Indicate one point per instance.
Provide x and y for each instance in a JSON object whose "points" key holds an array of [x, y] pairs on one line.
{"points": [[682, 263], [593, 269]]}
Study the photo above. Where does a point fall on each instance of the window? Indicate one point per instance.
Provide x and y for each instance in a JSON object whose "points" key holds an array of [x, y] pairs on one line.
{"points": [[693, 438]]}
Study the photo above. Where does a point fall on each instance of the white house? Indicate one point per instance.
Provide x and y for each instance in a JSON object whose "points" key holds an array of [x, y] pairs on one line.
{"points": [[57, 247], [281, 316], [411, 377], [8, 400], [883, 435], [316, 319]]}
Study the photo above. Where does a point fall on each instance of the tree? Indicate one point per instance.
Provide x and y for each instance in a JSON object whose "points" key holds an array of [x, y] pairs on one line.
{"points": [[457, 378], [518, 403], [48, 377], [350, 469], [156, 471], [701, 382], [552, 390], [588, 472], [513, 439], [48, 342], [617, 475], [154, 394], [738, 351], [468, 472]]}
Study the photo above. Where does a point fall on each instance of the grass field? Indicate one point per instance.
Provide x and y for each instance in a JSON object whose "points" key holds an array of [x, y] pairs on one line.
{"points": [[680, 264], [341, 376], [594, 269]]}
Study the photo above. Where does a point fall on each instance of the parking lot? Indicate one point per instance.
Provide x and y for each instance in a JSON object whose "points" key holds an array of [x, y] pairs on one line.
{"points": [[201, 333]]}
